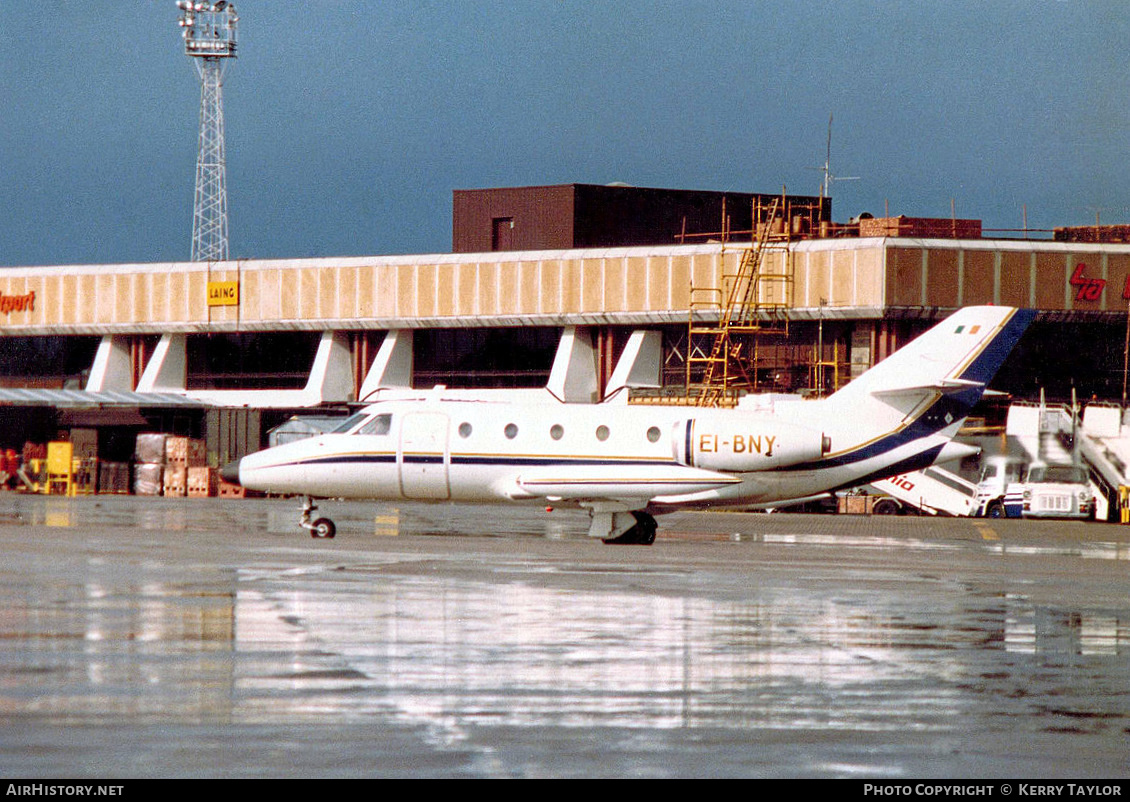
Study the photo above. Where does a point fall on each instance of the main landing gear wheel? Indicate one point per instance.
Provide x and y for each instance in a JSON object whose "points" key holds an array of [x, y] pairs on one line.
{"points": [[322, 528], [642, 534]]}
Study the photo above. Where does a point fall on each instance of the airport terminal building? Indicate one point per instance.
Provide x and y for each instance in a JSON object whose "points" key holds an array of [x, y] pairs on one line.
{"points": [[227, 350]]}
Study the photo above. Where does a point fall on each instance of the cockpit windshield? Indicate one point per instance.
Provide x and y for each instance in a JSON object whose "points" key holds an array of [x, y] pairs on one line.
{"points": [[366, 423], [350, 422], [380, 424]]}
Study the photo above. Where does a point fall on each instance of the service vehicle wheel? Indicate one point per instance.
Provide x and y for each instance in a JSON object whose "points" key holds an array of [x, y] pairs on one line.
{"points": [[885, 507]]}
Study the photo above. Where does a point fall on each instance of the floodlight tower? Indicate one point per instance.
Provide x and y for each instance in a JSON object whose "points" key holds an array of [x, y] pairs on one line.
{"points": [[209, 30]]}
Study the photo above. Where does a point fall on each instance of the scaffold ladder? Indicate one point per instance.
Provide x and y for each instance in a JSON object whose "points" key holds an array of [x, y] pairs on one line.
{"points": [[726, 323]]}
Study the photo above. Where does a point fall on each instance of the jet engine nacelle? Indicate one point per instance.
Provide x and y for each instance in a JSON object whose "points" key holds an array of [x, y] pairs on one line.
{"points": [[751, 445]]}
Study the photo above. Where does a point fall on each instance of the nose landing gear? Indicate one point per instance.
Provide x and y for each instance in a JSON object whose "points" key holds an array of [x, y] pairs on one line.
{"points": [[320, 528]]}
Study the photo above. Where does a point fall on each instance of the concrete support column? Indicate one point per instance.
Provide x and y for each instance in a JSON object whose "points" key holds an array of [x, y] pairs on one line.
{"points": [[112, 370], [886, 340], [640, 364], [574, 375], [392, 367], [167, 368], [331, 377]]}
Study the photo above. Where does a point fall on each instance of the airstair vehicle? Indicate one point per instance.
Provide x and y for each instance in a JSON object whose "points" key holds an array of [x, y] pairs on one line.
{"points": [[1039, 436], [1097, 443], [933, 491], [1104, 446]]}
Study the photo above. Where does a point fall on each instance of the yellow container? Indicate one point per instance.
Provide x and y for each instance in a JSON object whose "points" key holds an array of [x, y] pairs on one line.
{"points": [[60, 469]]}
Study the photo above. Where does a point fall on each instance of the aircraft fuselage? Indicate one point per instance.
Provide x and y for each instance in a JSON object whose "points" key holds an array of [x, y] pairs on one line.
{"points": [[485, 452], [621, 460]]}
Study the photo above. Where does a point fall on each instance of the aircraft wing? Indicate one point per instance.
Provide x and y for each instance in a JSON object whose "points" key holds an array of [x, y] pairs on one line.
{"points": [[581, 482]]}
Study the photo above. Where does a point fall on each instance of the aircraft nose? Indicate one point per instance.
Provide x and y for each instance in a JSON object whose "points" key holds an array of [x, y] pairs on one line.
{"points": [[230, 472]]}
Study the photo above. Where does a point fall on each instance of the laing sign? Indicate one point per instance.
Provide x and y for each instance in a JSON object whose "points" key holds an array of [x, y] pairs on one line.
{"points": [[17, 303], [223, 293]]}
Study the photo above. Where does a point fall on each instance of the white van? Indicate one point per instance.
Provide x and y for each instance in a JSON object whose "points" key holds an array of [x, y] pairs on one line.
{"points": [[996, 476], [1006, 490]]}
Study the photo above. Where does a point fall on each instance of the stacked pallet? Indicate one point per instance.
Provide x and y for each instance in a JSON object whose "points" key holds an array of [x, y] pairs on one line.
{"points": [[172, 466], [228, 490], [185, 451], [113, 477], [149, 464], [201, 481], [175, 481], [186, 465]]}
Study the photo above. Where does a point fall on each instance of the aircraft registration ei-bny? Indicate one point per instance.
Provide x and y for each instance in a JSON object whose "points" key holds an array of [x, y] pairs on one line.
{"points": [[626, 463]]}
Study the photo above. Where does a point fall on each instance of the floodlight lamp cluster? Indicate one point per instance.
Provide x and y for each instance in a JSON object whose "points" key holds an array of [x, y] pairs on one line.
{"points": [[208, 28]]}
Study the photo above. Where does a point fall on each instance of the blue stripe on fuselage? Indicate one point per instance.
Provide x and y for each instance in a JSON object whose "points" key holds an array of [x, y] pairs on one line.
{"points": [[457, 459], [916, 463], [939, 415], [344, 459]]}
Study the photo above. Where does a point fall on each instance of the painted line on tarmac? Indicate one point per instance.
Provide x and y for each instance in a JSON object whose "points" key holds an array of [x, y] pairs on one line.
{"points": [[987, 532]]}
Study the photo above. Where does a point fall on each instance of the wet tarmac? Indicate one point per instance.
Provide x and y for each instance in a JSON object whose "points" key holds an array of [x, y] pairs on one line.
{"points": [[212, 638]]}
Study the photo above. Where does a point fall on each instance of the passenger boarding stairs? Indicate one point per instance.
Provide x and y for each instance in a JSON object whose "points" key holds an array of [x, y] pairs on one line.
{"points": [[933, 491], [1099, 440], [1036, 432], [1105, 448]]}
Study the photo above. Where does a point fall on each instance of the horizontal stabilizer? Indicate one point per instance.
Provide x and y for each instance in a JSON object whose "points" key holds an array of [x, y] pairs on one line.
{"points": [[945, 386], [619, 481]]}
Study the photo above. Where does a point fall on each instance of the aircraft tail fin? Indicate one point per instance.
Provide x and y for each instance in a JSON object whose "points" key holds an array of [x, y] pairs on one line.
{"points": [[916, 400], [956, 358]]}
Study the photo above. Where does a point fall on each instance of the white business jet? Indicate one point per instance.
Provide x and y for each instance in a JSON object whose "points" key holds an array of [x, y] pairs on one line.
{"points": [[625, 463]]}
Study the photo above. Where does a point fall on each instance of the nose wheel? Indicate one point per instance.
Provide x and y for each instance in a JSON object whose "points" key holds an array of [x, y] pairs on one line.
{"points": [[319, 528]]}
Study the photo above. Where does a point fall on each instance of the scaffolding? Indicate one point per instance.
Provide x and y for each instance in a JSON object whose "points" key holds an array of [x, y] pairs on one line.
{"points": [[828, 373], [727, 355]]}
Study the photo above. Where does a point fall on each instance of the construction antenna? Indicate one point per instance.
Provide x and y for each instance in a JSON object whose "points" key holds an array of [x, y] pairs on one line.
{"points": [[826, 184], [209, 31]]}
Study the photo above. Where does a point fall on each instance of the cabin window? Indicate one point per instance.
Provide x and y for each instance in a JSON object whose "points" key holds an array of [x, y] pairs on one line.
{"points": [[347, 424], [601, 433], [557, 431], [511, 431], [653, 434], [381, 424], [464, 430]]}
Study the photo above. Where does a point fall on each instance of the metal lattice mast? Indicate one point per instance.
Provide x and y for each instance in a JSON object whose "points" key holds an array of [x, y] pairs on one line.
{"points": [[210, 38]]}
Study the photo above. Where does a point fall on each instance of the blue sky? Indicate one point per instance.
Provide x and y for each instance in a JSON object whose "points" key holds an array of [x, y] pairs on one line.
{"points": [[348, 124]]}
